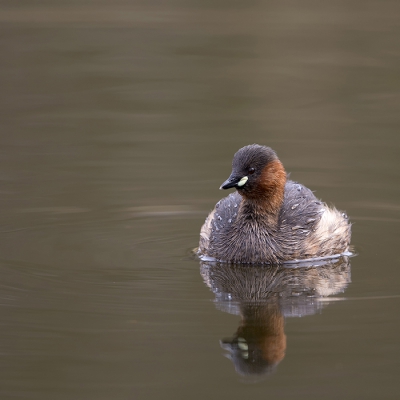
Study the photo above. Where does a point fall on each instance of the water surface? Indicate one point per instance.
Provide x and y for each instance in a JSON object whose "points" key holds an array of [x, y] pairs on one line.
{"points": [[118, 125]]}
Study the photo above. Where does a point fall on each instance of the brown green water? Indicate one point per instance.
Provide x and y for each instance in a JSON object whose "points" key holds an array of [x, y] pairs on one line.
{"points": [[118, 124]]}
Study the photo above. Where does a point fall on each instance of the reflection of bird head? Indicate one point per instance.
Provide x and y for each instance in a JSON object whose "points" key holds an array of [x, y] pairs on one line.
{"points": [[260, 342]]}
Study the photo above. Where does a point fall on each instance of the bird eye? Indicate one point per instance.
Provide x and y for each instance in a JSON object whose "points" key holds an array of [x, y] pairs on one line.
{"points": [[251, 171]]}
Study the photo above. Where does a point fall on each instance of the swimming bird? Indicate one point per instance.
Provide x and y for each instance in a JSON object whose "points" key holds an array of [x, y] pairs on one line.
{"points": [[270, 219]]}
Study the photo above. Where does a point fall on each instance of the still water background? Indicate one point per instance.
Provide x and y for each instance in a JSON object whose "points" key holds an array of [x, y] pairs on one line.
{"points": [[118, 124]]}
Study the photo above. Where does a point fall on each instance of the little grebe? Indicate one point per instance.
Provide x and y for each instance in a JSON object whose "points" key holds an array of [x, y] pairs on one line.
{"points": [[270, 219]]}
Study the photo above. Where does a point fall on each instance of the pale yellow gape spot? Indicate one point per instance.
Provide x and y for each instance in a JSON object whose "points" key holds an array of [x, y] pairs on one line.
{"points": [[243, 181]]}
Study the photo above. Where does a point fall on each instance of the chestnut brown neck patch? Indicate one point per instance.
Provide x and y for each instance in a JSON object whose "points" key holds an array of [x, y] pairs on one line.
{"points": [[269, 191]]}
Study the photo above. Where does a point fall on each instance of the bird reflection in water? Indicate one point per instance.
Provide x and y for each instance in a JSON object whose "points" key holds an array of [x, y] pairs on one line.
{"points": [[264, 296]]}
